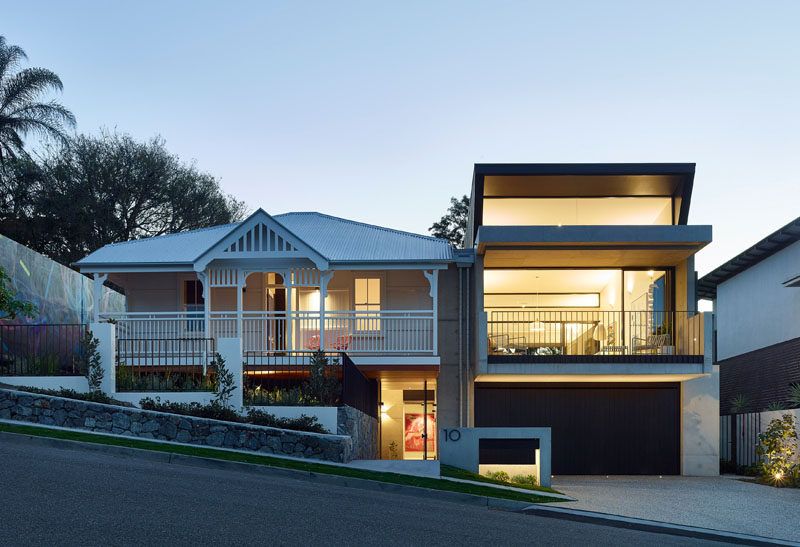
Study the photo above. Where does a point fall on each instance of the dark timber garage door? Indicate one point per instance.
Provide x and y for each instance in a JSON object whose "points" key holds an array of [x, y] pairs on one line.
{"points": [[597, 429]]}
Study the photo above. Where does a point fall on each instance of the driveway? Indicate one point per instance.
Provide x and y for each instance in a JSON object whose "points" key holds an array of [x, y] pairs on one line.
{"points": [[720, 503]]}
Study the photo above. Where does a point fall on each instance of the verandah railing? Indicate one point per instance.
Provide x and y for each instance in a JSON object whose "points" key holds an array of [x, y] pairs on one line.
{"points": [[42, 350], [357, 332], [167, 364], [595, 333]]}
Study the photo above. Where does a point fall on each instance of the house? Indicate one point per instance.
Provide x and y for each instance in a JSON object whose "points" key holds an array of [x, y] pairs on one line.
{"points": [[587, 324], [756, 297], [572, 306]]}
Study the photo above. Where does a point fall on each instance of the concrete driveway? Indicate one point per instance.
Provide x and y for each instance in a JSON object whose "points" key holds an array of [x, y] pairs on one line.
{"points": [[719, 503]]}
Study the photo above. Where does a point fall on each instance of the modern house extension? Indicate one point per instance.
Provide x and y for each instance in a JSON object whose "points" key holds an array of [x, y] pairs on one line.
{"points": [[756, 297], [286, 286], [587, 322]]}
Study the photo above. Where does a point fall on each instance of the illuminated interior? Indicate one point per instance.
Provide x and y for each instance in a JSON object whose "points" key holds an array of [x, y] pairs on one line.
{"points": [[577, 211], [403, 406]]}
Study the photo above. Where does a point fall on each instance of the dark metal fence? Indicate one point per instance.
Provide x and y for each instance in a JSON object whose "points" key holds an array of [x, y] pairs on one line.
{"points": [[42, 350], [358, 391], [739, 438], [283, 379], [177, 364]]}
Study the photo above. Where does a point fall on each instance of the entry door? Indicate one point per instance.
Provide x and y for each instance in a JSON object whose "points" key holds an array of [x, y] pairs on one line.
{"points": [[597, 429]]}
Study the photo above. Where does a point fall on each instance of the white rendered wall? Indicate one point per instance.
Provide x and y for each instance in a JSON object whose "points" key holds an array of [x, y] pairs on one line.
{"points": [[700, 425], [754, 310]]}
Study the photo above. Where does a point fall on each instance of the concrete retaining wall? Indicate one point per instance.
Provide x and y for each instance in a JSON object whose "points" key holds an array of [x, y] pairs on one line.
{"points": [[145, 424]]}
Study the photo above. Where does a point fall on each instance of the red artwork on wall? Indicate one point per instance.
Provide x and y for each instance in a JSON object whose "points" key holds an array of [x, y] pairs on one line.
{"points": [[414, 430]]}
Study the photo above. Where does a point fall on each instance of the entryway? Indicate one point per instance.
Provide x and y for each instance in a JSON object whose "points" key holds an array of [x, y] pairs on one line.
{"points": [[408, 419]]}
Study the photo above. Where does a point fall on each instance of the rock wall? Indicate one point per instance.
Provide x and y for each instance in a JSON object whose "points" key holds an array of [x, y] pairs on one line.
{"points": [[360, 427], [147, 424]]}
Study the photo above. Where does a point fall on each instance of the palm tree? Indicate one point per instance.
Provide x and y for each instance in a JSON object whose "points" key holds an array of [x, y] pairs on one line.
{"points": [[21, 113]]}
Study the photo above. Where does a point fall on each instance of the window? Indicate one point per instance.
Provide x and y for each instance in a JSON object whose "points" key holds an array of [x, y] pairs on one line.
{"points": [[193, 301], [368, 299]]}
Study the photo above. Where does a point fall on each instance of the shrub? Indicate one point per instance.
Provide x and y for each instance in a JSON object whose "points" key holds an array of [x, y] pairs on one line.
{"points": [[740, 404], [528, 480], [774, 405], [215, 411], [777, 448], [322, 385], [499, 476], [794, 395], [223, 385], [92, 397], [90, 361]]}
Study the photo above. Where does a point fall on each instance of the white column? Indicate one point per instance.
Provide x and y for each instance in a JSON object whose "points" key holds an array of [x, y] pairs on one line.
{"points": [[240, 281], [287, 283], [230, 349], [107, 348], [324, 278], [99, 279], [433, 279], [204, 277]]}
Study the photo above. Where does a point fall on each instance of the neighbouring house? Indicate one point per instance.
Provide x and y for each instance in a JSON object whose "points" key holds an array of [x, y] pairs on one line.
{"points": [[756, 297], [587, 324], [571, 307]]}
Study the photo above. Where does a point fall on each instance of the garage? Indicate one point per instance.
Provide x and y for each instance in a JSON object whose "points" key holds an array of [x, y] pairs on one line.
{"points": [[597, 429]]}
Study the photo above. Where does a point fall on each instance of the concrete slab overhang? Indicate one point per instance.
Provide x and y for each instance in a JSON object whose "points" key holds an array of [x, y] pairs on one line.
{"points": [[589, 246]]}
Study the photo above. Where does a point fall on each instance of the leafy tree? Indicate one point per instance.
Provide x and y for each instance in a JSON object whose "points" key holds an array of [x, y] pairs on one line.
{"points": [[10, 305], [453, 225], [72, 200], [21, 112]]}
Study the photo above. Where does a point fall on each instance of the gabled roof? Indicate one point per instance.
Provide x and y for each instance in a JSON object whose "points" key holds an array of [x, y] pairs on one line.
{"points": [[776, 241], [337, 239]]}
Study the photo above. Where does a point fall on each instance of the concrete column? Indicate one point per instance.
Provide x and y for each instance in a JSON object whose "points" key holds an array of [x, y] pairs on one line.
{"points": [[230, 349], [700, 425], [107, 348]]}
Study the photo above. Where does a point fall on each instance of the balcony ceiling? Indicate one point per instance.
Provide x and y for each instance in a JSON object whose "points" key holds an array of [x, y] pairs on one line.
{"points": [[587, 257]]}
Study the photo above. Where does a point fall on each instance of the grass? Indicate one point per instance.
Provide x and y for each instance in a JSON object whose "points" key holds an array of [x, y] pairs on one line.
{"points": [[311, 467], [458, 473]]}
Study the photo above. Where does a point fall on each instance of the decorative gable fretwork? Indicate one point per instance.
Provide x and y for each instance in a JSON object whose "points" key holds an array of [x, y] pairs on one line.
{"points": [[260, 238], [305, 277], [223, 277]]}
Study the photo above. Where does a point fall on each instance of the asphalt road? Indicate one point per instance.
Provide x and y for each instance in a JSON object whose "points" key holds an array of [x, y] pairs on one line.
{"points": [[66, 497]]}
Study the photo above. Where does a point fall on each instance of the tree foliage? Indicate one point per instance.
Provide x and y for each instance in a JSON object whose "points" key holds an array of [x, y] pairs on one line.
{"points": [[777, 447], [21, 110], [10, 306], [453, 225], [91, 363], [74, 199]]}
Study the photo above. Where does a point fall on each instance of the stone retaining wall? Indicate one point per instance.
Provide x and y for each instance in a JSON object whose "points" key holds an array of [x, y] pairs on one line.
{"points": [[362, 428], [147, 424]]}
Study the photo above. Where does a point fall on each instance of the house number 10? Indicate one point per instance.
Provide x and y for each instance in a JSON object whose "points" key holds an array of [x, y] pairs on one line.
{"points": [[453, 435]]}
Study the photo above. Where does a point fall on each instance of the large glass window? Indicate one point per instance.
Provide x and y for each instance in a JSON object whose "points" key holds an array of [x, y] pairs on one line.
{"points": [[577, 211]]}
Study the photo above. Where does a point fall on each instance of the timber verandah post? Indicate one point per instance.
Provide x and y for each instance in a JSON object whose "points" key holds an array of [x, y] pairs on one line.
{"points": [[433, 279], [324, 278]]}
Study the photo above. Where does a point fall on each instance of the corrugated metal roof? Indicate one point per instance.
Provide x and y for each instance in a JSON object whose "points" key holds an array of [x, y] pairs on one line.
{"points": [[777, 240], [338, 239]]}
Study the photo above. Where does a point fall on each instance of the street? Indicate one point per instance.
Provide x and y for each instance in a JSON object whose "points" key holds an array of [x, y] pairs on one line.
{"points": [[67, 497]]}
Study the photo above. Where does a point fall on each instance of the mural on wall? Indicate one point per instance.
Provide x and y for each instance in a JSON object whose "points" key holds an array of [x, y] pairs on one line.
{"points": [[415, 428], [47, 344], [61, 294]]}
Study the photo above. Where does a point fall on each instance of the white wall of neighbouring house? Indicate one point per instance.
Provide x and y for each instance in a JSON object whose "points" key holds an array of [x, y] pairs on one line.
{"points": [[754, 310]]}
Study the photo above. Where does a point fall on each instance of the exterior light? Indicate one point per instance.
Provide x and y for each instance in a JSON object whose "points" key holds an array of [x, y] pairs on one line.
{"points": [[778, 476], [650, 273]]}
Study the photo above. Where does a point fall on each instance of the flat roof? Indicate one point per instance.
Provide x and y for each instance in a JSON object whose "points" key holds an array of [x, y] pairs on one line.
{"points": [[580, 180], [774, 242]]}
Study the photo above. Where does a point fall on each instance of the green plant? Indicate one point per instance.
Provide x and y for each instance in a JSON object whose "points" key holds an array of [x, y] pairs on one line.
{"points": [[43, 365], [794, 394], [393, 452], [90, 361], [322, 385], [776, 449], [775, 405], [498, 476], [10, 305], [740, 404], [525, 479], [224, 387]]}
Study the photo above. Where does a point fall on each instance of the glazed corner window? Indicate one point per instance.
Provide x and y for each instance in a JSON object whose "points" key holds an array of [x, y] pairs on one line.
{"points": [[193, 295], [368, 299]]}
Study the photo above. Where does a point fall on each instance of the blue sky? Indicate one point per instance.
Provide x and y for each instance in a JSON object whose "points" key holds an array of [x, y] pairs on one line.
{"points": [[377, 111]]}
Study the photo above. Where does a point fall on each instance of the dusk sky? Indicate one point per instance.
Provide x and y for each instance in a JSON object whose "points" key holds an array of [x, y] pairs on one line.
{"points": [[378, 111]]}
